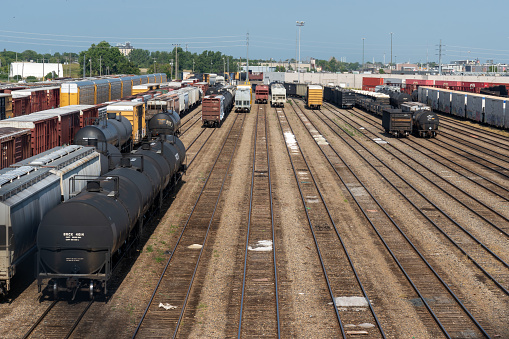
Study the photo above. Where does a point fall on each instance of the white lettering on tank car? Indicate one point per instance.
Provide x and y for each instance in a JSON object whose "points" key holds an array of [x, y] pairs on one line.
{"points": [[69, 236]]}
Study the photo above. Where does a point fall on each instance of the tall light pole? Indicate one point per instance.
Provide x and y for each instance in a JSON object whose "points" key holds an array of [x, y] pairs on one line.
{"points": [[299, 24], [363, 52], [391, 50], [171, 69]]}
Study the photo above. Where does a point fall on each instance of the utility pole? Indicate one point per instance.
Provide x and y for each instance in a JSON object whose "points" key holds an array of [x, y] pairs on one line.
{"points": [[171, 69], [43, 75], [84, 64], [186, 47], [193, 65], [224, 66], [391, 50], [100, 65], [90, 61], [176, 60], [247, 64], [299, 24], [154, 65], [228, 67]]}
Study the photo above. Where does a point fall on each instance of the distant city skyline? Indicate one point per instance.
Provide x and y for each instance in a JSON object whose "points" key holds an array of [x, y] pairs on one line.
{"points": [[332, 28]]}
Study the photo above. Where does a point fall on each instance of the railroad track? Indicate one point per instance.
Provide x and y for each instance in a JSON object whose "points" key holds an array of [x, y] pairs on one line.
{"points": [[175, 285], [472, 131], [453, 318], [259, 304], [474, 177], [466, 138], [473, 204], [338, 270], [59, 320], [194, 119], [478, 251]]}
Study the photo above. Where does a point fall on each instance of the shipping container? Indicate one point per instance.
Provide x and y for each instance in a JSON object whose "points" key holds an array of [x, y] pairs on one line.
{"points": [[419, 82], [14, 145], [314, 96], [43, 130], [495, 111], [135, 113], [447, 83], [372, 82]]}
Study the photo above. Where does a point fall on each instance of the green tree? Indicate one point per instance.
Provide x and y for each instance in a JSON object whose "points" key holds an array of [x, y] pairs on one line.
{"points": [[103, 57]]}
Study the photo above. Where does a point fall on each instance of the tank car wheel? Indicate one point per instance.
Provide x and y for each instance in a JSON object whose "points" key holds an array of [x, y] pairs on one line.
{"points": [[91, 289], [55, 289]]}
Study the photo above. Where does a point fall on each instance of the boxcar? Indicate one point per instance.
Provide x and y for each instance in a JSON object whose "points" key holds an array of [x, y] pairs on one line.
{"points": [[314, 96]]}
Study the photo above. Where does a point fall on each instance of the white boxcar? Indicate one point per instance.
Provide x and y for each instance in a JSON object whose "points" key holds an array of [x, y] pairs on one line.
{"points": [[444, 104], [475, 107], [495, 111], [435, 98], [422, 94], [278, 95], [459, 101]]}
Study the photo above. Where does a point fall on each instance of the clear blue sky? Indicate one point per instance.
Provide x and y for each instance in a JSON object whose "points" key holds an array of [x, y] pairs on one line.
{"points": [[469, 29]]}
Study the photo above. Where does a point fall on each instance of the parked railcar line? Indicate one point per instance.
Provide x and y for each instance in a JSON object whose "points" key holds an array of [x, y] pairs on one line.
{"points": [[488, 258], [412, 263], [176, 289], [337, 267], [259, 306]]}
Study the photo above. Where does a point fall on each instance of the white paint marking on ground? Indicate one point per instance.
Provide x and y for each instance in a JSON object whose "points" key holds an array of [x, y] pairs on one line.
{"points": [[195, 246], [262, 246], [291, 142], [351, 302], [320, 140]]}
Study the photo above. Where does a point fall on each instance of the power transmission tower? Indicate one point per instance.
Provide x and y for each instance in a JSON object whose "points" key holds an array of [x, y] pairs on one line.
{"points": [[440, 57]]}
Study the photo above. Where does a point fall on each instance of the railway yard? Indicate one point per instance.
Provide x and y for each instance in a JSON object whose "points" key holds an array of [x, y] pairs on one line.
{"points": [[292, 222]]}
